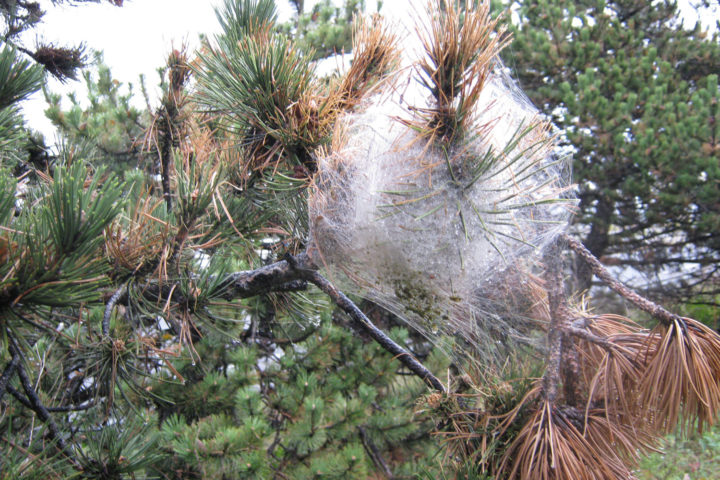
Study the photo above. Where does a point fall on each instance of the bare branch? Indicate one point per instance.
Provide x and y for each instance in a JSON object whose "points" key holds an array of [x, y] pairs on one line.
{"points": [[35, 402], [602, 273], [362, 321], [7, 374], [109, 308]]}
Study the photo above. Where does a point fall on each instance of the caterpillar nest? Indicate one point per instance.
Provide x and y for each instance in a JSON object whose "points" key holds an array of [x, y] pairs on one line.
{"points": [[442, 233]]}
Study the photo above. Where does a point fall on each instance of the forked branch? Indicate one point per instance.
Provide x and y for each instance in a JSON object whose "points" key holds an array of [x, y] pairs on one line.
{"points": [[291, 274], [362, 321], [35, 403]]}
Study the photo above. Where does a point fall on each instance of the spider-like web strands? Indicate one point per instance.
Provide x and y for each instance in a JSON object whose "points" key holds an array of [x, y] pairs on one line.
{"points": [[445, 236]]}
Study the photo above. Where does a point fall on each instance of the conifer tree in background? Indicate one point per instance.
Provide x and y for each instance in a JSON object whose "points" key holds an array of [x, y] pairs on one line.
{"points": [[110, 128], [634, 92], [326, 29], [62, 62], [171, 323]]}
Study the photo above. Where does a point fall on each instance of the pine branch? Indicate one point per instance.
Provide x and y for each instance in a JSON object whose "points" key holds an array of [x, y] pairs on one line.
{"points": [[109, 308], [7, 374], [36, 404], [276, 277], [665, 316], [291, 274], [362, 321]]}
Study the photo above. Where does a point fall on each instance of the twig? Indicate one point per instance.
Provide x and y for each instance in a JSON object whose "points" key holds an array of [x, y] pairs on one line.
{"points": [[68, 408], [109, 308], [589, 337], [35, 403], [7, 374], [374, 453], [19, 397], [665, 316], [378, 335], [168, 140], [276, 441]]}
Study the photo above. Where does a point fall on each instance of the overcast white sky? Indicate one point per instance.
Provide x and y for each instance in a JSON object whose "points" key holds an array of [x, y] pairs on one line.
{"points": [[137, 38]]}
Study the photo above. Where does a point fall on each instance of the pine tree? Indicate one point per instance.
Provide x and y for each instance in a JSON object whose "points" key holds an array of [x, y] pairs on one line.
{"points": [[635, 93], [325, 30], [188, 330], [213, 387], [110, 129]]}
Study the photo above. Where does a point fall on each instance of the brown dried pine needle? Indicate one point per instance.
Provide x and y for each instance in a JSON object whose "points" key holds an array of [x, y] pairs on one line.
{"points": [[618, 438], [375, 56], [551, 447], [461, 46], [611, 364], [138, 245], [681, 382]]}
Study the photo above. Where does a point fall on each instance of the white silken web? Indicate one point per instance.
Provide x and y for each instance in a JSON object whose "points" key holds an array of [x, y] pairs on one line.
{"points": [[448, 238]]}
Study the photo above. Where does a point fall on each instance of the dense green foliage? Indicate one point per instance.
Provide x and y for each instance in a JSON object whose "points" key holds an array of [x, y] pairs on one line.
{"points": [[635, 95], [326, 29], [310, 411]]}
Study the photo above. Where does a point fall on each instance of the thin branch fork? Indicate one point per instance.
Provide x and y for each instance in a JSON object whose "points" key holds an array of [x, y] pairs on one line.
{"points": [[361, 320], [291, 274], [665, 316], [35, 403]]}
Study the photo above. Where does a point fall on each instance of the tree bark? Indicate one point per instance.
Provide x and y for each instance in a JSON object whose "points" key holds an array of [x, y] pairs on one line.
{"points": [[597, 241]]}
